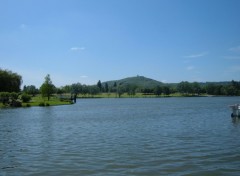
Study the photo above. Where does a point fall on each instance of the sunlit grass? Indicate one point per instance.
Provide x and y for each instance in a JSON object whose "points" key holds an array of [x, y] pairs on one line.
{"points": [[38, 100]]}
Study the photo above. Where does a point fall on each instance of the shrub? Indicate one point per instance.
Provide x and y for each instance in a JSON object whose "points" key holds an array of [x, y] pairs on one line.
{"points": [[26, 98], [28, 105], [14, 95], [4, 97], [41, 104], [47, 104], [16, 103]]}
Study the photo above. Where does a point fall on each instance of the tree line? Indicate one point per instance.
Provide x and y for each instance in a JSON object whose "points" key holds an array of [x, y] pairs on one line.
{"points": [[185, 88], [10, 89]]}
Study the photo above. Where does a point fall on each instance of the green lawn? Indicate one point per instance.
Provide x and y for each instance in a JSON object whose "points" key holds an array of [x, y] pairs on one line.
{"points": [[37, 100]]}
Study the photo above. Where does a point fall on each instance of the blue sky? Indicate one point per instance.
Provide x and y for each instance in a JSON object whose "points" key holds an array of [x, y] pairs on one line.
{"points": [[91, 40]]}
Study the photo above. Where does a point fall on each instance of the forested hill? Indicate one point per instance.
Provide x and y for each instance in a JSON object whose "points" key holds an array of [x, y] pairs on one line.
{"points": [[139, 81]]}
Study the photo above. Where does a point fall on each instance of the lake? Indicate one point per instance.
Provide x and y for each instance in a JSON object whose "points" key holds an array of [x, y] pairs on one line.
{"points": [[138, 136]]}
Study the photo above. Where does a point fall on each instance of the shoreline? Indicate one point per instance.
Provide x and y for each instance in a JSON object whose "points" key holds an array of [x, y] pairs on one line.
{"points": [[54, 101]]}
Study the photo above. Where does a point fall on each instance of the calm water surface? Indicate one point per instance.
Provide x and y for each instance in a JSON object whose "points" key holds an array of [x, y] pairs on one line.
{"points": [[164, 136]]}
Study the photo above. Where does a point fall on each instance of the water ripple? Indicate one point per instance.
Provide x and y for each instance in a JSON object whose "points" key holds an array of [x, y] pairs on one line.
{"points": [[172, 136]]}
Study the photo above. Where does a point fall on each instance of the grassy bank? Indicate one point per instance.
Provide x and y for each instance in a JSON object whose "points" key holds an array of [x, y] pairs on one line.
{"points": [[55, 101], [39, 101]]}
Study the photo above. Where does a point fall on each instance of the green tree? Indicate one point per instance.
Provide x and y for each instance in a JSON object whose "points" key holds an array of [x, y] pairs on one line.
{"points": [[106, 87], [25, 98], [236, 87], [4, 97], [31, 90], [85, 90], [131, 90], [120, 91], [196, 88], [47, 88], [99, 85], [76, 88], [158, 91], [210, 89], [93, 90], [231, 90], [66, 89], [9, 81], [184, 87], [165, 90]]}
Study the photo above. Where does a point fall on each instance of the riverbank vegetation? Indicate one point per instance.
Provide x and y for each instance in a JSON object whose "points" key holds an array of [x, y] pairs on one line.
{"points": [[11, 94], [130, 89], [23, 100]]}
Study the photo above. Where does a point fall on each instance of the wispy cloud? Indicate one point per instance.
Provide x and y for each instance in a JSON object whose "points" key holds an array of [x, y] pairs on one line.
{"points": [[77, 48], [84, 76], [236, 49], [196, 55], [190, 68]]}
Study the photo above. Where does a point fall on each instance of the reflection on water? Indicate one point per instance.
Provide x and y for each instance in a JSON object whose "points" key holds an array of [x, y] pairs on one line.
{"points": [[236, 120], [164, 136]]}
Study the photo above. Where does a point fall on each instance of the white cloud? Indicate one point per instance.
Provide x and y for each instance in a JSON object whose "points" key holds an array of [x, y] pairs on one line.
{"points": [[190, 68], [77, 48], [196, 55], [84, 76], [237, 48]]}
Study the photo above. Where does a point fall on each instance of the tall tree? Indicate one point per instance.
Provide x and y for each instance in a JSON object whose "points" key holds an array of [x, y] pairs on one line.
{"points": [[131, 90], [106, 87], [76, 88], [166, 90], [47, 88], [9, 81], [120, 90], [99, 84], [158, 91], [93, 90], [196, 88], [184, 87]]}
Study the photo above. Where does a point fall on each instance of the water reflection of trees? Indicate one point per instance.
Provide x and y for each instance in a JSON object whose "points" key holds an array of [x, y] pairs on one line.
{"points": [[236, 120]]}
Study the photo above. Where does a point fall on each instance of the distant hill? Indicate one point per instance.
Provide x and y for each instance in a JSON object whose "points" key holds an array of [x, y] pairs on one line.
{"points": [[139, 81], [143, 82]]}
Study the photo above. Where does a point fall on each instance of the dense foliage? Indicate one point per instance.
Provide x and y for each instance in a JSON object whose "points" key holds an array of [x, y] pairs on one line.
{"points": [[31, 90], [10, 99], [25, 98], [185, 88], [9, 81]]}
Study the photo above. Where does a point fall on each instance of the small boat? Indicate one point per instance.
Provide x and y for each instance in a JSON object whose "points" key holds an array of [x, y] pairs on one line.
{"points": [[235, 110]]}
